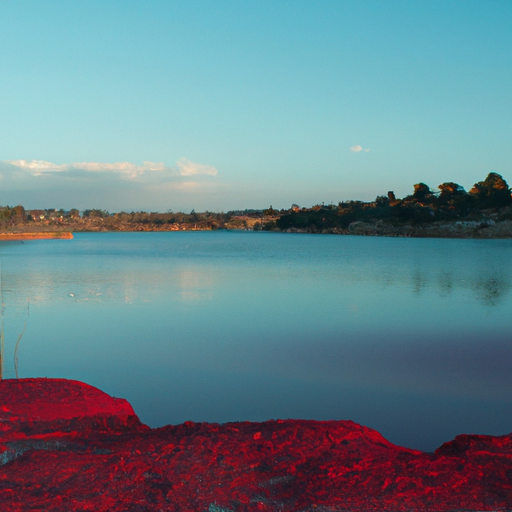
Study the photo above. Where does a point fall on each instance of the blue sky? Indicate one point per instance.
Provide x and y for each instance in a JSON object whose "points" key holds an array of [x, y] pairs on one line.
{"points": [[219, 105]]}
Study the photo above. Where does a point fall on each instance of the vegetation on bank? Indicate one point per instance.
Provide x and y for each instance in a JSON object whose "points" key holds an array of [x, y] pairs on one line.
{"points": [[487, 203], [487, 199]]}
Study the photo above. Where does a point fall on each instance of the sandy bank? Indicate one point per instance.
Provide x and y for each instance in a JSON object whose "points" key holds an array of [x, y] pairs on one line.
{"points": [[41, 235]]}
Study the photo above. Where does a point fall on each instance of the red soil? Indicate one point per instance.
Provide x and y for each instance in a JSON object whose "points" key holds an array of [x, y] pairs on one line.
{"points": [[65, 446]]}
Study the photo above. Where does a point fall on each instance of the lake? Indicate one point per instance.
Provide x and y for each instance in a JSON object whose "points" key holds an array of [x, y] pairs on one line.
{"points": [[411, 337]]}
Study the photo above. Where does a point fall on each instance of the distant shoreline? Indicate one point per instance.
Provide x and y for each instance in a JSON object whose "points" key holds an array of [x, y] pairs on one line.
{"points": [[483, 212], [456, 229]]}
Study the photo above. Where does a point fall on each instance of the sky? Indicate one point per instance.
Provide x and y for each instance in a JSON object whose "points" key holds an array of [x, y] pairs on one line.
{"points": [[219, 105]]}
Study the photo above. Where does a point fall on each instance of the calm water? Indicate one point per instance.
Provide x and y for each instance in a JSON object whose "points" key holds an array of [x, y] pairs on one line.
{"points": [[411, 337]]}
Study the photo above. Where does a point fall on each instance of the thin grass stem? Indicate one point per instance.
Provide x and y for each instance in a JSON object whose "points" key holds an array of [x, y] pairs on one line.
{"points": [[18, 341]]}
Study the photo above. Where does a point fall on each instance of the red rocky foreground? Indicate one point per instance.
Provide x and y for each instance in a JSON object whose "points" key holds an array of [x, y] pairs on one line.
{"points": [[66, 446]]}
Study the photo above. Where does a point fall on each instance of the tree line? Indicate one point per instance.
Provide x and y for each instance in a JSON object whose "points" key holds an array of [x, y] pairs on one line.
{"points": [[450, 202]]}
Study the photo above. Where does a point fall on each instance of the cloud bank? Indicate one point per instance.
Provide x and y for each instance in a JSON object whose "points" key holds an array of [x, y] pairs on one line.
{"points": [[128, 170], [119, 185]]}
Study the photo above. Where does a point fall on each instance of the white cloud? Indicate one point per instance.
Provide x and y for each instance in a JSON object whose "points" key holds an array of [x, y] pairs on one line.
{"points": [[106, 185], [188, 168], [358, 149], [37, 167], [120, 167], [40, 167], [115, 186], [127, 170]]}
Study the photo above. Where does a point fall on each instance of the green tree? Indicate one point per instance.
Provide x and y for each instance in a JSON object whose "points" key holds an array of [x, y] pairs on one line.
{"points": [[103, 214], [270, 212], [450, 189], [493, 192], [381, 201], [73, 213], [421, 192]]}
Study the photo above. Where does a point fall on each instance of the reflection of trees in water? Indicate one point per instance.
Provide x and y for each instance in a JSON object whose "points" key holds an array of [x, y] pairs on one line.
{"points": [[491, 289], [489, 286], [476, 270], [445, 283], [419, 281]]}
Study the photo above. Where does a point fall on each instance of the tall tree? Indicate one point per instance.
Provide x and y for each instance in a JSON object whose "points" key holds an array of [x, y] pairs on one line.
{"points": [[421, 192], [493, 192]]}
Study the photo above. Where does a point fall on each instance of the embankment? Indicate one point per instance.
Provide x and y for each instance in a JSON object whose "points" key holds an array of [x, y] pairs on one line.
{"points": [[38, 235]]}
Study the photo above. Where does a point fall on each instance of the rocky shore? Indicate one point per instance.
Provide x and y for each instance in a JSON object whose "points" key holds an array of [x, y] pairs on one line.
{"points": [[483, 229], [456, 229], [66, 446]]}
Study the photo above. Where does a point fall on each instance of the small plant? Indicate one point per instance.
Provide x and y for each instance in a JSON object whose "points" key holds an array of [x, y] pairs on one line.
{"points": [[2, 348], [2, 336], [18, 340], [2, 326]]}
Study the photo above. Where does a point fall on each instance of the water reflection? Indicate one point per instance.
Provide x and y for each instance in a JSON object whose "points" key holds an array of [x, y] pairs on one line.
{"points": [[481, 270], [195, 285], [489, 288], [131, 285], [492, 289]]}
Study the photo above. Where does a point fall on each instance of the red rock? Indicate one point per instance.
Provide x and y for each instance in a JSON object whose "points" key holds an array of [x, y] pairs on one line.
{"points": [[39, 406], [70, 447]]}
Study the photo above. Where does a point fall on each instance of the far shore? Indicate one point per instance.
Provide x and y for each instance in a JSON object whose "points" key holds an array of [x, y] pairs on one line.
{"points": [[456, 229]]}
